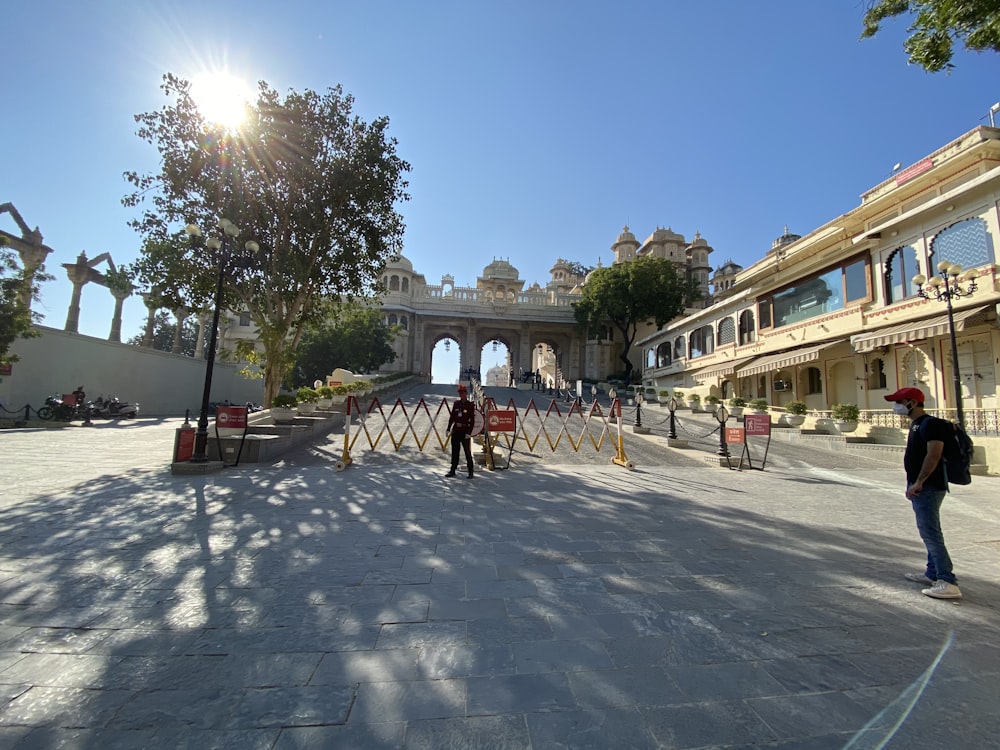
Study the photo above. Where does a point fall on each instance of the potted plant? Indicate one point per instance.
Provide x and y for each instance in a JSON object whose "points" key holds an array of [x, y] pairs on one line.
{"points": [[845, 417], [795, 413], [679, 395], [663, 397], [759, 405], [736, 405], [340, 393], [325, 397], [307, 398], [694, 401], [283, 407], [712, 403]]}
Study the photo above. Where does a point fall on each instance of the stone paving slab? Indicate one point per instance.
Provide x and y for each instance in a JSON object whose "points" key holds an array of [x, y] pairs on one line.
{"points": [[565, 605]]}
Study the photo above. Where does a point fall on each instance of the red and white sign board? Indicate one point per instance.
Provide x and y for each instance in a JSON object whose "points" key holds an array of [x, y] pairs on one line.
{"points": [[231, 417], [757, 424], [501, 420], [734, 435]]}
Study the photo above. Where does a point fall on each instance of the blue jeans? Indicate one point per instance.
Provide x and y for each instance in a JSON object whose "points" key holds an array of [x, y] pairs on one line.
{"points": [[927, 509]]}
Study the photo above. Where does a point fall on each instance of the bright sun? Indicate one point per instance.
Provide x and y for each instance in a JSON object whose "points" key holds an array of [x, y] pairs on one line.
{"points": [[221, 98]]}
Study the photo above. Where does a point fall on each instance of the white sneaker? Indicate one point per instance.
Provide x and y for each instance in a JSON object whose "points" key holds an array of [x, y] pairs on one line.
{"points": [[943, 590], [918, 578]]}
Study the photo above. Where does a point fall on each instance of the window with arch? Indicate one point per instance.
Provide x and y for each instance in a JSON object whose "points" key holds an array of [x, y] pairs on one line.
{"points": [[650, 359], [901, 266], [814, 380], [406, 284], [727, 331], [679, 348], [748, 333], [392, 320], [663, 354], [394, 283], [876, 374], [702, 342], [404, 322], [967, 243]]}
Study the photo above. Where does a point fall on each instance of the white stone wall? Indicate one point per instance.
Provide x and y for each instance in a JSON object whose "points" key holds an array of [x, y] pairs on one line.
{"points": [[164, 384]]}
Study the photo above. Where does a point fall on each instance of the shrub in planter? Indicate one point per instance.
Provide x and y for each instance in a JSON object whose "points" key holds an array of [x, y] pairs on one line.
{"points": [[737, 402], [679, 395], [845, 412], [759, 404], [694, 398], [284, 401], [798, 408], [306, 395], [339, 390], [712, 400], [325, 391]]}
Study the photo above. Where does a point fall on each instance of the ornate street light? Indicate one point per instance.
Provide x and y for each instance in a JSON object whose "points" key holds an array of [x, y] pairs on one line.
{"points": [[722, 415], [947, 287], [229, 233]]}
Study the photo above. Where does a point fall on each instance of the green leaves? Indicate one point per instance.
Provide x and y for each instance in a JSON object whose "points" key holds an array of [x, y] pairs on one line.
{"points": [[937, 25]]}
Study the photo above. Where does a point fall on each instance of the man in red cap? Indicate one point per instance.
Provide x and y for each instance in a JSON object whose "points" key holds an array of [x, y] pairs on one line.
{"points": [[926, 487], [461, 423]]}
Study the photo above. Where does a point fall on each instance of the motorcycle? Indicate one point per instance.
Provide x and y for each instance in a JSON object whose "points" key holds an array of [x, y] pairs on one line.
{"points": [[112, 408], [56, 408]]}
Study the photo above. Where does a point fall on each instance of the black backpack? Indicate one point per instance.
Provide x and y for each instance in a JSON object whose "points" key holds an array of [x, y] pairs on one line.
{"points": [[957, 454]]}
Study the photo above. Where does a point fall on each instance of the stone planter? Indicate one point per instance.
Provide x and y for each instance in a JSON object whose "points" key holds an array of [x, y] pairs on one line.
{"points": [[337, 400], [735, 411], [795, 420], [844, 427], [307, 408], [282, 414], [324, 403]]}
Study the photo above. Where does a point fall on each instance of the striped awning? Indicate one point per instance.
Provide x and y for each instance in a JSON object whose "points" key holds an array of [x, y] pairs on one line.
{"points": [[720, 369], [915, 330], [788, 358]]}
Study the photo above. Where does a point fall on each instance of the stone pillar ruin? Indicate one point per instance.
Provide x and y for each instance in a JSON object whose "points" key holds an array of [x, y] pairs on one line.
{"points": [[116, 320], [180, 315], [149, 298]]}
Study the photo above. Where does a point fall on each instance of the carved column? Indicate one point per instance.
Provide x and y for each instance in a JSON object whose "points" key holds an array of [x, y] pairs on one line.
{"points": [[149, 299], [180, 315], [116, 320], [79, 274], [199, 344]]}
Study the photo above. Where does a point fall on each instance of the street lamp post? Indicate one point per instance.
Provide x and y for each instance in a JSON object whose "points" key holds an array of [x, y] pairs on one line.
{"points": [[229, 232], [947, 287], [722, 415]]}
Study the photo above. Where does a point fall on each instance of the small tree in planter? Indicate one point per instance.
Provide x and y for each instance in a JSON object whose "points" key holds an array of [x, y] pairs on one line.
{"points": [[307, 398], [759, 405], [679, 395], [283, 407], [694, 400], [339, 393], [663, 397], [845, 417], [325, 397], [795, 413], [736, 406]]}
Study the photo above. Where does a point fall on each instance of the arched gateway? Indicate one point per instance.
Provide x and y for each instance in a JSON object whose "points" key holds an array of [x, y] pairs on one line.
{"points": [[535, 324]]}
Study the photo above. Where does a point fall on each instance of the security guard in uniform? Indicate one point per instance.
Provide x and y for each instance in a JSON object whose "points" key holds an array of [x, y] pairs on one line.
{"points": [[460, 425]]}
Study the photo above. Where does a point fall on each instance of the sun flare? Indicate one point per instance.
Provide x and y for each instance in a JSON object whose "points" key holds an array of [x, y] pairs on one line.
{"points": [[221, 98]]}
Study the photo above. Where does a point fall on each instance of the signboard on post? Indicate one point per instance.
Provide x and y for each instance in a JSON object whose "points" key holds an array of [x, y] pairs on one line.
{"points": [[757, 424], [231, 417], [501, 420], [734, 435]]}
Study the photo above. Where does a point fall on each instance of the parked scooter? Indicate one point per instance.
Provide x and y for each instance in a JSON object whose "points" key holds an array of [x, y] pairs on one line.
{"points": [[112, 408]]}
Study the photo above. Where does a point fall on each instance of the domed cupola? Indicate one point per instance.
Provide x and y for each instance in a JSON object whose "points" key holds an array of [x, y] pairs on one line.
{"points": [[625, 246], [786, 239]]}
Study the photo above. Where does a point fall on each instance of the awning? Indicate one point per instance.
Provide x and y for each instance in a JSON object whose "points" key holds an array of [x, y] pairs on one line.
{"points": [[788, 358], [720, 369], [914, 330]]}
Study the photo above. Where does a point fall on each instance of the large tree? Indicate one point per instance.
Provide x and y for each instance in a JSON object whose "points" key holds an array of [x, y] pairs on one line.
{"points": [[355, 338], [315, 186], [626, 295], [937, 25], [16, 293]]}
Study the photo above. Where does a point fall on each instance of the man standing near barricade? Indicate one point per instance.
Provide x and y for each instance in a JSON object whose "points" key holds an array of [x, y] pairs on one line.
{"points": [[461, 423], [926, 487]]}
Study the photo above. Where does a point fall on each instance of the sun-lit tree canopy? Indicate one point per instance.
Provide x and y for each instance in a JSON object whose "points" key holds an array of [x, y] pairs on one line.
{"points": [[16, 293], [627, 295], [315, 186], [936, 25]]}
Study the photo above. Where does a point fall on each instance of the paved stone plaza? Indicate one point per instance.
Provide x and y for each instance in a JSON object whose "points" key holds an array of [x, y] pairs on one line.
{"points": [[563, 603]]}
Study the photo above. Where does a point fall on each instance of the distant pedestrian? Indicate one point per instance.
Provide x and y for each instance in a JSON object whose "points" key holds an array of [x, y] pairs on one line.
{"points": [[926, 487], [461, 423]]}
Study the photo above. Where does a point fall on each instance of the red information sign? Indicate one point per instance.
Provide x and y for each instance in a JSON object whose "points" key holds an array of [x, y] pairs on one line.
{"points": [[757, 424], [231, 417], [184, 448], [734, 435], [501, 420]]}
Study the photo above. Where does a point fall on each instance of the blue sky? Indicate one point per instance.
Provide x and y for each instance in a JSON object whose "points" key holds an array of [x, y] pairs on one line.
{"points": [[536, 128]]}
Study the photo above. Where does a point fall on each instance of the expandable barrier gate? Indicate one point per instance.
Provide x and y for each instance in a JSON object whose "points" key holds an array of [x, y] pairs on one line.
{"points": [[508, 424]]}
